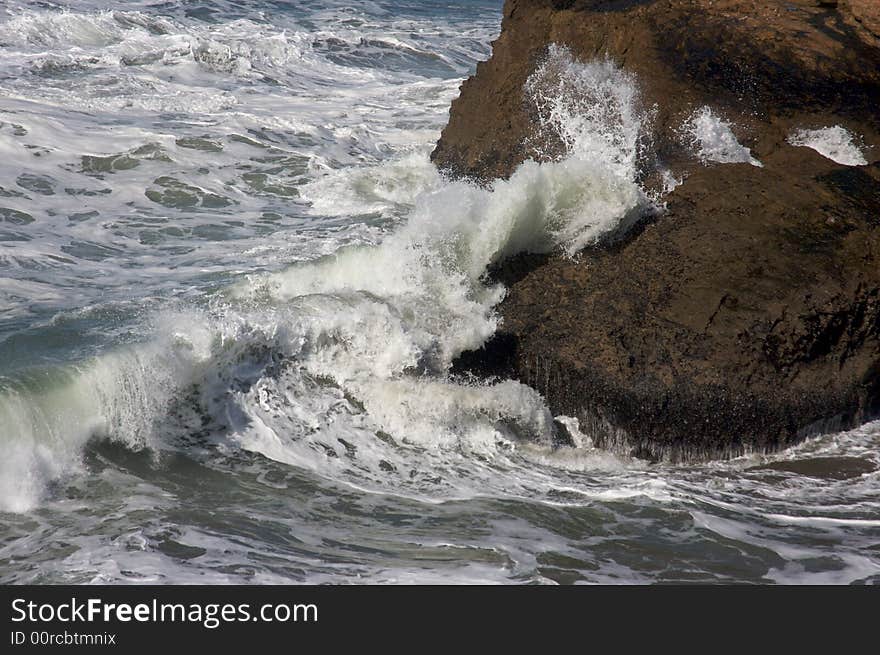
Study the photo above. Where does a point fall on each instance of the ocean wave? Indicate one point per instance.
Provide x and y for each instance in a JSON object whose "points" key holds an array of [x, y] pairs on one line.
{"points": [[312, 364]]}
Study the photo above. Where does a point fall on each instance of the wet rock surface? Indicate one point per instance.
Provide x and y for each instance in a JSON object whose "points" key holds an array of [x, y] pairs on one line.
{"points": [[822, 468]]}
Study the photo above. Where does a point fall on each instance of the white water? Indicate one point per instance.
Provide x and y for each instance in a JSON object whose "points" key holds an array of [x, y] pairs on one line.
{"points": [[713, 139], [362, 338], [836, 143]]}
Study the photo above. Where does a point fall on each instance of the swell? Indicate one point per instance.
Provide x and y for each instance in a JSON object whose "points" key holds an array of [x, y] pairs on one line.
{"points": [[342, 365]]}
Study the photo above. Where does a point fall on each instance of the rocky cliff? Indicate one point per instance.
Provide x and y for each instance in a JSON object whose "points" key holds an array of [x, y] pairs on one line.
{"points": [[746, 314]]}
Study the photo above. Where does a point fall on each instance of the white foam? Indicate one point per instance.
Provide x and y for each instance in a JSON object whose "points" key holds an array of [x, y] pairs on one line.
{"points": [[391, 186], [836, 143], [52, 29], [385, 322], [300, 111], [276, 105], [713, 139]]}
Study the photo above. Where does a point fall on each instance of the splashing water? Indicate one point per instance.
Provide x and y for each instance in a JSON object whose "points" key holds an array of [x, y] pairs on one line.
{"points": [[713, 139], [358, 343]]}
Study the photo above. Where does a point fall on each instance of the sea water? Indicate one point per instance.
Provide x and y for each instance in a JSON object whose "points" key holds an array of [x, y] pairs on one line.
{"points": [[232, 286]]}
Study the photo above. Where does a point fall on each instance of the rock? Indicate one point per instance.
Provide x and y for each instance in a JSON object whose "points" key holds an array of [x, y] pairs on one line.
{"points": [[864, 15], [745, 319], [822, 468], [766, 65], [746, 316], [564, 435]]}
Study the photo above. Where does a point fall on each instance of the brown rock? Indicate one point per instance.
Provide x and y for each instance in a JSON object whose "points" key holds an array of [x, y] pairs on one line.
{"points": [[765, 65], [747, 316], [864, 15]]}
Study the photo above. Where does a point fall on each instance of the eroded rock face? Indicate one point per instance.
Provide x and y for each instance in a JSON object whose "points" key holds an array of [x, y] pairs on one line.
{"points": [[747, 315]]}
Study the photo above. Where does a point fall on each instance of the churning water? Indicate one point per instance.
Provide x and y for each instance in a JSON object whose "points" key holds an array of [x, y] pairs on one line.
{"points": [[232, 285]]}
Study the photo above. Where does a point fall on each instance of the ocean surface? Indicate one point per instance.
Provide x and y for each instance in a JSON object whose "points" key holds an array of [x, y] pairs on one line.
{"points": [[232, 286]]}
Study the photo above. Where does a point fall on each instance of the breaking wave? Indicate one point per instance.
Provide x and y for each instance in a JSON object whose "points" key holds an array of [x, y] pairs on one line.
{"points": [[314, 365]]}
